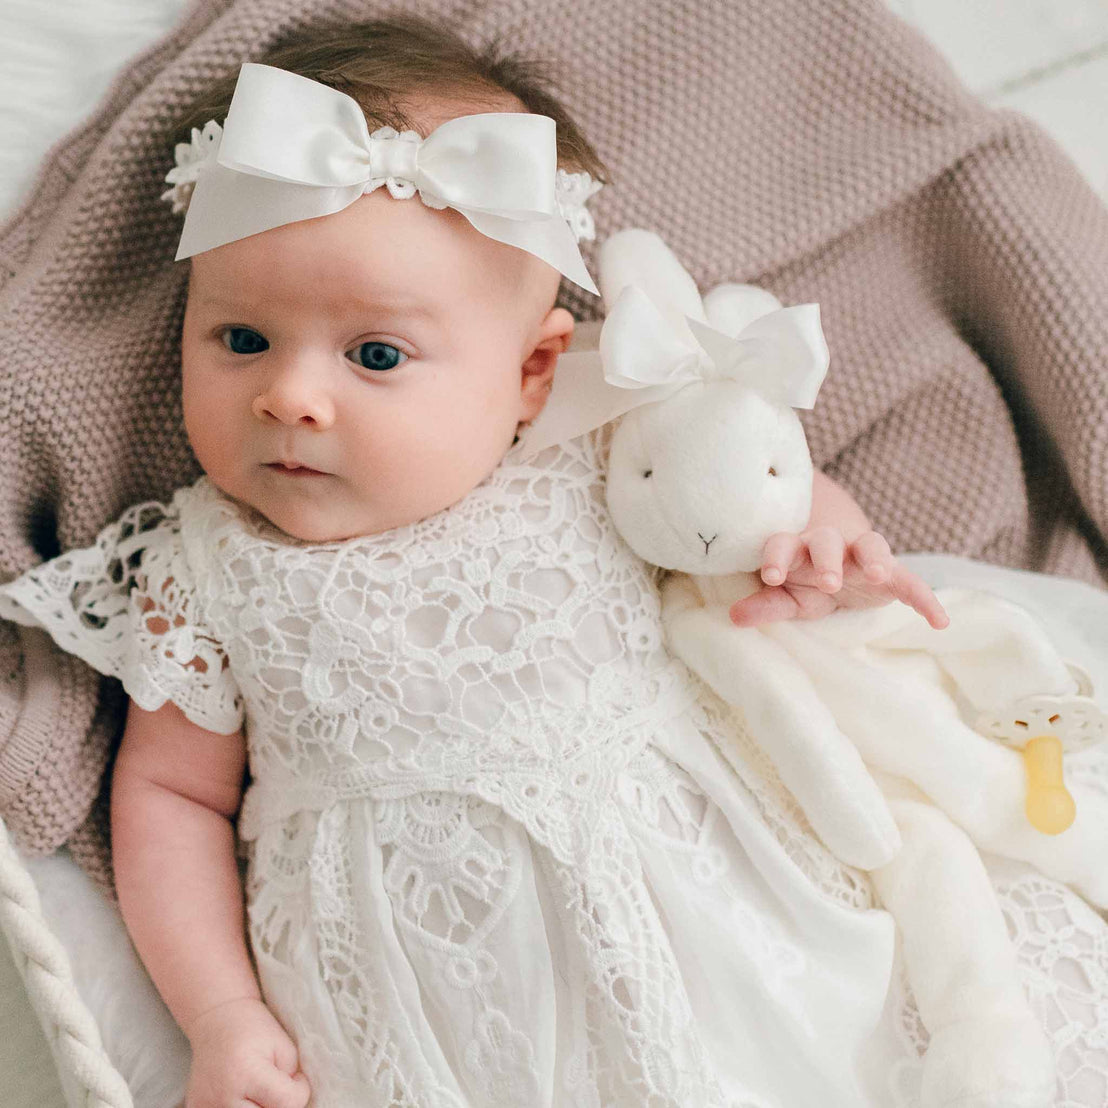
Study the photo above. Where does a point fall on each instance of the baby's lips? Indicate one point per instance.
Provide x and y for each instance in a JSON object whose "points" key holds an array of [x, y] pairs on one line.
{"points": [[292, 466]]}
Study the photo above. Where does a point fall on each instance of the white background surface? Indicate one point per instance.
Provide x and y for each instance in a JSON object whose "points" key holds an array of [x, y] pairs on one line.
{"points": [[1048, 58]]}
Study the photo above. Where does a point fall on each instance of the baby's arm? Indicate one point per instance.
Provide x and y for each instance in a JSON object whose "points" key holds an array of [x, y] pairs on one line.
{"points": [[838, 561], [175, 789]]}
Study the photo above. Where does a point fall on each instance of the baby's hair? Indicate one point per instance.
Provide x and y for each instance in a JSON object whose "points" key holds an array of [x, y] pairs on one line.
{"points": [[384, 63]]}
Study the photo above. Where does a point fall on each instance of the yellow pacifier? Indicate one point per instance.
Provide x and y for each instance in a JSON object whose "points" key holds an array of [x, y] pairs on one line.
{"points": [[1043, 728], [1050, 808]]}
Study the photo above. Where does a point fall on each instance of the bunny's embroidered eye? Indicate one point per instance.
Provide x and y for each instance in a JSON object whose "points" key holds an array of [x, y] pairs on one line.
{"points": [[647, 472]]}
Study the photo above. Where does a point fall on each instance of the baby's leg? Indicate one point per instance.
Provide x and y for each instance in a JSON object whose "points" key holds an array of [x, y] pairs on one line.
{"points": [[986, 1047]]}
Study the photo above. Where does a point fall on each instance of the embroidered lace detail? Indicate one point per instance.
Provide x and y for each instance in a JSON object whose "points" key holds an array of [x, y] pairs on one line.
{"points": [[573, 191], [1062, 946], [396, 152], [507, 649], [633, 996], [126, 606], [192, 159]]}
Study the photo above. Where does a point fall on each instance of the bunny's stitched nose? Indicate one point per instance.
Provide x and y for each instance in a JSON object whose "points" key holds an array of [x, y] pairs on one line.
{"points": [[707, 542]]}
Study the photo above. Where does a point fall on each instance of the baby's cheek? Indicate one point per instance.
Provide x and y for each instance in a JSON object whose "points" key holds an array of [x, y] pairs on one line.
{"points": [[217, 454], [216, 443], [467, 446]]}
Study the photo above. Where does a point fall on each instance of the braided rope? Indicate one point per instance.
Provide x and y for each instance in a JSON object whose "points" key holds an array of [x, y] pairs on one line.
{"points": [[44, 966]]}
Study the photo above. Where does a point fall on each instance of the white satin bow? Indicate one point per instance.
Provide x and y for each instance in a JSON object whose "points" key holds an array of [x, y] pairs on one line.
{"points": [[295, 149], [781, 355], [644, 358]]}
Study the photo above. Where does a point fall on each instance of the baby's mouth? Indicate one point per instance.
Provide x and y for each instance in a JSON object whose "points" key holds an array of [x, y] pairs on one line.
{"points": [[294, 469]]}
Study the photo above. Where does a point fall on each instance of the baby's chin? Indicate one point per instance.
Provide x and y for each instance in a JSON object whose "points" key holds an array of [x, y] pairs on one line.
{"points": [[315, 521], [305, 524]]}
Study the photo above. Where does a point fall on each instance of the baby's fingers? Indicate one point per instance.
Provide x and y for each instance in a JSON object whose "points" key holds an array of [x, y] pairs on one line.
{"points": [[780, 554], [270, 1088], [873, 557], [764, 606], [911, 589], [826, 547]]}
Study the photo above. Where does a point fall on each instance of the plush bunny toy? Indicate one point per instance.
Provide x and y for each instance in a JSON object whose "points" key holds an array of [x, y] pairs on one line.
{"points": [[868, 716]]}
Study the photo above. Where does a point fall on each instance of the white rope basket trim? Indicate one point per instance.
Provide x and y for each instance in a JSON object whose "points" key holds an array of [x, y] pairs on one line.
{"points": [[44, 966]]}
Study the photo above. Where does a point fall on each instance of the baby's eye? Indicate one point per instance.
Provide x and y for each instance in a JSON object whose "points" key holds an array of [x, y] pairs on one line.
{"points": [[241, 340], [377, 356]]}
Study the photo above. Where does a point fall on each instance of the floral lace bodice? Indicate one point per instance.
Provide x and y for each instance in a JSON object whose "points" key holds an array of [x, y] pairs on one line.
{"points": [[507, 648]]}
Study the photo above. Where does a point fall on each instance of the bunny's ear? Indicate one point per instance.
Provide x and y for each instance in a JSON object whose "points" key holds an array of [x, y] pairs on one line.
{"points": [[730, 308], [638, 257]]}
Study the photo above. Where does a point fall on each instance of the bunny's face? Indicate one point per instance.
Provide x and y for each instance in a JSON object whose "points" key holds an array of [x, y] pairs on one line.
{"points": [[699, 481]]}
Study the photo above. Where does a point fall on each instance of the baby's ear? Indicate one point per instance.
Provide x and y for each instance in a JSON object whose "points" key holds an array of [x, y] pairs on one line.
{"points": [[537, 371]]}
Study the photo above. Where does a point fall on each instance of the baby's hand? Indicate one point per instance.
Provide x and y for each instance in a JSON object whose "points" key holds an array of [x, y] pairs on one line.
{"points": [[241, 1056], [816, 572]]}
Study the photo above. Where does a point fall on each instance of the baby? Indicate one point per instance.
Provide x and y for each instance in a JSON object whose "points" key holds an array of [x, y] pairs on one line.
{"points": [[496, 854]]}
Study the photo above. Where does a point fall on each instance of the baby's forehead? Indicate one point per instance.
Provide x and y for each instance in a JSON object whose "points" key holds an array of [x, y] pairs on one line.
{"points": [[379, 255]]}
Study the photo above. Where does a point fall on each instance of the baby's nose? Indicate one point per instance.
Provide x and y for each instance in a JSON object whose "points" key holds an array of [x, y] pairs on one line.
{"points": [[292, 396]]}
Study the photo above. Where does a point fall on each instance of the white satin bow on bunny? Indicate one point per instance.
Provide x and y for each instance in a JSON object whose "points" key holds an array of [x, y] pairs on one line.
{"points": [[645, 356], [782, 355], [293, 149]]}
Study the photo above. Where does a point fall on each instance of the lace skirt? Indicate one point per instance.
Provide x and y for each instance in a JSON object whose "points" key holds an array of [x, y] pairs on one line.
{"points": [[428, 951], [707, 951]]}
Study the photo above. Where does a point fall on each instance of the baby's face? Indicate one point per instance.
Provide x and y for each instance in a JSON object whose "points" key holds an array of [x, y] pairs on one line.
{"points": [[358, 372]]}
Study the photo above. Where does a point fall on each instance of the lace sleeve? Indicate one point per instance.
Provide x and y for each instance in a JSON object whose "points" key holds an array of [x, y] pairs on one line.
{"points": [[126, 606]]}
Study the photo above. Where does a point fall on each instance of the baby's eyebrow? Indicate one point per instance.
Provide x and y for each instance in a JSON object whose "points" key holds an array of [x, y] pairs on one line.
{"points": [[371, 313], [419, 309], [356, 304], [226, 304]]}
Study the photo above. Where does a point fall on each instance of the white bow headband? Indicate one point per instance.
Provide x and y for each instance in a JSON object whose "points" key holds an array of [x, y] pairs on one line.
{"points": [[644, 358], [292, 149]]}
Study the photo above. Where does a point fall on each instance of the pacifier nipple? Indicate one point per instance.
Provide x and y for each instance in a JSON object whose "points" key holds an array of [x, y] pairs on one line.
{"points": [[1050, 808]]}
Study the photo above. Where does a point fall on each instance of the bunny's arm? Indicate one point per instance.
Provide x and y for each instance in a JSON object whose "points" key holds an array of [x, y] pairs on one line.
{"points": [[815, 761]]}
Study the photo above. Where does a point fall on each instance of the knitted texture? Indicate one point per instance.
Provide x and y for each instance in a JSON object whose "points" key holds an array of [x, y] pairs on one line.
{"points": [[823, 150]]}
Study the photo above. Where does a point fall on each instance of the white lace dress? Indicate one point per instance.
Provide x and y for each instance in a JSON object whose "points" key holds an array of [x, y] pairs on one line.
{"points": [[503, 850]]}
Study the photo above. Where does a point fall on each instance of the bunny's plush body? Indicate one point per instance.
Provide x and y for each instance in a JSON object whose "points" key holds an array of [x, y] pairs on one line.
{"points": [[872, 719]]}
